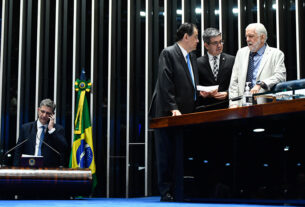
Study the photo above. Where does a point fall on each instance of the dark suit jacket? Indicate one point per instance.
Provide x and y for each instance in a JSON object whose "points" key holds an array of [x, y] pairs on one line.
{"points": [[174, 88], [206, 77], [56, 140]]}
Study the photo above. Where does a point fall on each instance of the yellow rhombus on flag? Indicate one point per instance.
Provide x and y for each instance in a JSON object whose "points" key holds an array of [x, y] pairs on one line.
{"points": [[82, 154]]}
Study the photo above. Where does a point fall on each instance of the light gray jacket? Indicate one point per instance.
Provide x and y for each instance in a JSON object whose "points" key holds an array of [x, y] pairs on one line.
{"points": [[271, 71]]}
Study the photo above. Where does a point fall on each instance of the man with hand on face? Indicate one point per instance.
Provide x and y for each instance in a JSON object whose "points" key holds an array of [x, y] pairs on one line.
{"points": [[259, 64], [41, 133], [215, 68]]}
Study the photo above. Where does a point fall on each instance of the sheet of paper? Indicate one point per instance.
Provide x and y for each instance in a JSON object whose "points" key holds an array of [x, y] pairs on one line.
{"points": [[207, 88], [25, 155]]}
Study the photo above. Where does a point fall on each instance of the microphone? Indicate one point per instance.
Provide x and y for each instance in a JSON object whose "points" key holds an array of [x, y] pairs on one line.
{"points": [[54, 150], [198, 108], [12, 149]]}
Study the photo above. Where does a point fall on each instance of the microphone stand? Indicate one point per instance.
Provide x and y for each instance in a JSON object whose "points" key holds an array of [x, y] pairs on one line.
{"points": [[60, 156], [12, 149]]}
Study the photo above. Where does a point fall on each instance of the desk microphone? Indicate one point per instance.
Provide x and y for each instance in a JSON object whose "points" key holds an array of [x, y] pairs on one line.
{"points": [[12, 149], [198, 108], [54, 150]]}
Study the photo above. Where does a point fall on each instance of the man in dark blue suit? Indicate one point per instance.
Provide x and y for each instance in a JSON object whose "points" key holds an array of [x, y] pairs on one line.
{"points": [[175, 94], [215, 68], [43, 135]]}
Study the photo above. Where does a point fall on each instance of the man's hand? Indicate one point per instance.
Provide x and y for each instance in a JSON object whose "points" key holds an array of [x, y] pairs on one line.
{"points": [[220, 95], [255, 89], [176, 113], [205, 94], [51, 123]]}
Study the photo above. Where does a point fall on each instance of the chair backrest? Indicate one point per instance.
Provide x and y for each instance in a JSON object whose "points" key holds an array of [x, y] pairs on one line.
{"points": [[290, 85]]}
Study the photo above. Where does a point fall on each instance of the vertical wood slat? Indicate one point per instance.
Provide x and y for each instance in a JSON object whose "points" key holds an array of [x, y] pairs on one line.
{"points": [[58, 19], [297, 21], [239, 23], [75, 56], [20, 64], [202, 26], [38, 55], [2, 57], [109, 97], [258, 4], [277, 25], [165, 22], [93, 55], [148, 83], [220, 16], [130, 29]]}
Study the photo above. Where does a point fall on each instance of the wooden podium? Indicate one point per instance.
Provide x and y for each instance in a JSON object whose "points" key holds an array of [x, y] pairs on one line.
{"points": [[225, 159], [45, 182]]}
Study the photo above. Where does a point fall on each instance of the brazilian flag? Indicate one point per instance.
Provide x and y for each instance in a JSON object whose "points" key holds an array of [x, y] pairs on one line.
{"points": [[82, 154]]}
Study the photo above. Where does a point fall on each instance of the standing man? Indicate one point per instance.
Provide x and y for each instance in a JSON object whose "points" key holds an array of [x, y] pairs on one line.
{"points": [[259, 64], [215, 68], [41, 133], [175, 94]]}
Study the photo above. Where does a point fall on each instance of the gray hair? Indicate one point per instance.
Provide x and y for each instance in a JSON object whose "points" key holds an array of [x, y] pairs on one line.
{"points": [[208, 33], [259, 29], [49, 103]]}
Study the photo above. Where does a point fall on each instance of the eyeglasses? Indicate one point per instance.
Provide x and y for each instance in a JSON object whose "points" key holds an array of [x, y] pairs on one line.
{"points": [[217, 43]]}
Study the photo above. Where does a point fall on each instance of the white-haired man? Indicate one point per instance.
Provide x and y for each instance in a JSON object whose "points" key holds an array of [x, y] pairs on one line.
{"points": [[257, 63]]}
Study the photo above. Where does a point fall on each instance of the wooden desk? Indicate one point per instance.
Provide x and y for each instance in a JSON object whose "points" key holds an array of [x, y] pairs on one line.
{"points": [[224, 158], [45, 182], [277, 108]]}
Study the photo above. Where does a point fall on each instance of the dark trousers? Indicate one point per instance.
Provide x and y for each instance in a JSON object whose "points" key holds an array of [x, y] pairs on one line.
{"points": [[169, 154]]}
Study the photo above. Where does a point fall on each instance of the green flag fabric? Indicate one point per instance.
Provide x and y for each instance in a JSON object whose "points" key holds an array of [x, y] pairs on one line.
{"points": [[82, 154]]}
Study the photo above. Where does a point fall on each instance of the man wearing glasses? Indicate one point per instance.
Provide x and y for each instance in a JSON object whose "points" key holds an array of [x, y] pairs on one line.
{"points": [[215, 68], [44, 137]]}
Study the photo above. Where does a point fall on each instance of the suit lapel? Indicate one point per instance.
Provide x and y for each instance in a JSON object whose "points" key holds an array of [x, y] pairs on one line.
{"points": [[221, 67], [209, 70], [33, 134], [264, 60], [195, 69], [244, 71], [181, 58]]}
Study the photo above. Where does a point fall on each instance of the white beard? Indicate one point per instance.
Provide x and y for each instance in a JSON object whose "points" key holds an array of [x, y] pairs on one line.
{"points": [[254, 47]]}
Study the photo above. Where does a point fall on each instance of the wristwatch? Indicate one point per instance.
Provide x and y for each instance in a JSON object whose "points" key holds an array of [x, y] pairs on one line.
{"points": [[262, 84]]}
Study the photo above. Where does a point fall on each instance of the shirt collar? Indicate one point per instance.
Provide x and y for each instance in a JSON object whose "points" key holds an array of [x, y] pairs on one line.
{"points": [[39, 124], [184, 52], [211, 57], [261, 51]]}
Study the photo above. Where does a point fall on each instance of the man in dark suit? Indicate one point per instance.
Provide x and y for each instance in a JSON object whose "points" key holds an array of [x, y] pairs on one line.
{"points": [[42, 133], [175, 94], [215, 68]]}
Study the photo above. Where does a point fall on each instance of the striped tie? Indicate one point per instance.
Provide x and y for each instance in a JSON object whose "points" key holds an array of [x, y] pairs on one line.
{"points": [[250, 68], [41, 139], [215, 68]]}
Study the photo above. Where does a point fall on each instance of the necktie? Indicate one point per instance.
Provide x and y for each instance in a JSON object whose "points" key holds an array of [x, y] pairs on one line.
{"points": [[215, 68], [41, 139], [250, 68], [190, 70]]}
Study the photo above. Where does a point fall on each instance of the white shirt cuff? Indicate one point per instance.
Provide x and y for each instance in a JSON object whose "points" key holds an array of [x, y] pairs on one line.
{"points": [[51, 131]]}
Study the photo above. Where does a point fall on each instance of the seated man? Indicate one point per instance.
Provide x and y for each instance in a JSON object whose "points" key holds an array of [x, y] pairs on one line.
{"points": [[45, 138]]}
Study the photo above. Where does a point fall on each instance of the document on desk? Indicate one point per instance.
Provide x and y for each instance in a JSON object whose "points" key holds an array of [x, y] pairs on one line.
{"points": [[30, 156], [207, 88]]}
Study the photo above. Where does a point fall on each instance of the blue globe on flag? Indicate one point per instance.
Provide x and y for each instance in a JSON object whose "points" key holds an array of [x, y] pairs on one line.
{"points": [[84, 155]]}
